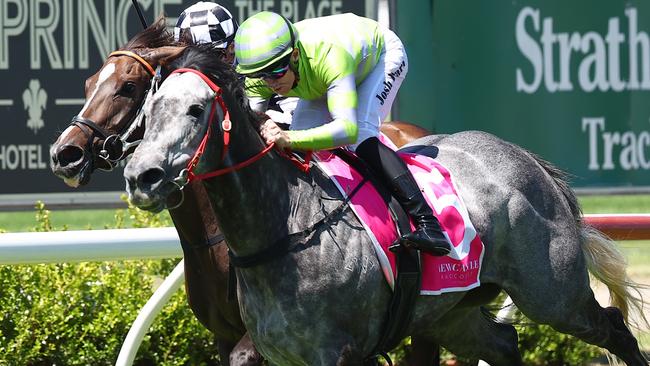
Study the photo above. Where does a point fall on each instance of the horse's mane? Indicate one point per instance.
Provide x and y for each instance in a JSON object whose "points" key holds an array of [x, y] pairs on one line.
{"points": [[154, 36], [206, 58]]}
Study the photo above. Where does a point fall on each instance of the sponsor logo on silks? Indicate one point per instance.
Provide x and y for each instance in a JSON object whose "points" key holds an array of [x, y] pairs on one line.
{"points": [[388, 84], [34, 101]]}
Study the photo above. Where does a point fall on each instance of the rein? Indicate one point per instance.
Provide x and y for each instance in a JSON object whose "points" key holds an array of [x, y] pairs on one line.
{"points": [[113, 142]]}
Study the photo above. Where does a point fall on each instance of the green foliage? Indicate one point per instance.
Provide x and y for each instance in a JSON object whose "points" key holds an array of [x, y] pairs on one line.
{"points": [[43, 222], [79, 314], [542, 345]]}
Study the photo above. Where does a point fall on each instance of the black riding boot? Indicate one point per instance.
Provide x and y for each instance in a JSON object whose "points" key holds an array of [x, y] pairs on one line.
{"points": [[428, 236]]}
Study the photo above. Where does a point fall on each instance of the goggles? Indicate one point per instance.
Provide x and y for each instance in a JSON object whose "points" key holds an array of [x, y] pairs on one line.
{"points": [[275, 71], [273, 74]]}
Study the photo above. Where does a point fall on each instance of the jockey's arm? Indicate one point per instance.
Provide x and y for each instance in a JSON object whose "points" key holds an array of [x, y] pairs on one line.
{"points": [[343, 129]]}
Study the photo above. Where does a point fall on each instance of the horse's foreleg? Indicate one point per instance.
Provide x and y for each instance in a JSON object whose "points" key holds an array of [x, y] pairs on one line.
{"points": [[245, 353]]}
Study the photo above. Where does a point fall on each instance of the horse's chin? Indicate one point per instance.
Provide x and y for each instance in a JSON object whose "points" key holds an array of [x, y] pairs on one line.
{"points": [[147, 202], [75, 176], [157, 200]]}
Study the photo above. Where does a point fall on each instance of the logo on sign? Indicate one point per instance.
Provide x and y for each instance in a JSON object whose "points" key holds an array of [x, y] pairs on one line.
{"points": [[34, 100]]}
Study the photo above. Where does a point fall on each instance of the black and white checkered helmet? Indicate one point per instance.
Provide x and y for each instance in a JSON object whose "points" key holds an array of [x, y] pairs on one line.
{"points": [[206, 22]]}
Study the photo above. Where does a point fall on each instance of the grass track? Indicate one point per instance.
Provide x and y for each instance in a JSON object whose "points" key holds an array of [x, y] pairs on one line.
{"points": [[98, 219]]}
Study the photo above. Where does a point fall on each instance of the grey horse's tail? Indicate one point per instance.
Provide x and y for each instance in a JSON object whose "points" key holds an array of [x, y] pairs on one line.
{"points": [[606, 262], [604, 259]]}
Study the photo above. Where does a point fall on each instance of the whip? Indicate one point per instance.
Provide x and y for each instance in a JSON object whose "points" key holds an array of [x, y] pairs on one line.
{"points": [[136, 5]]}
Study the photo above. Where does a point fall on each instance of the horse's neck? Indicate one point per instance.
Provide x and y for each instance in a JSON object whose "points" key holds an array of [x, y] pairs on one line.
{"points": [[261, 203]]}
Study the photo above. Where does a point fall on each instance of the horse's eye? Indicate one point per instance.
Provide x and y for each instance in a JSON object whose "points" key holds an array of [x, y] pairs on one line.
{"points": [[127, 89], [195, 110]]}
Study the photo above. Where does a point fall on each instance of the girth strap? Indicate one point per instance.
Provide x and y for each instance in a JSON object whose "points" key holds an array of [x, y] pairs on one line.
{"points": [[409, 272], [282, 246], [406, 291]]}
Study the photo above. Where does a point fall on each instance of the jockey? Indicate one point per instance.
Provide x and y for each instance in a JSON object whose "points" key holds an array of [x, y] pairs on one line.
{"points": [[346, 71], [208, 22]]}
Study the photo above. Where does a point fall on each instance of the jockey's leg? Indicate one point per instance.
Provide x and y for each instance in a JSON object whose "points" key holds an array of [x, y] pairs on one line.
{"points": [[376, 95], [391, 168]]}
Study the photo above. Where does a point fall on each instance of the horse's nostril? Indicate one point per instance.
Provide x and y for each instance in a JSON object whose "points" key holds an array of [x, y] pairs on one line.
{"points": [[151, 176], [68, 154]]}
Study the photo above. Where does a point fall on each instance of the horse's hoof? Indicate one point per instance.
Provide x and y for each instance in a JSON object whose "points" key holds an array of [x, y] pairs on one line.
{"points": [[246, 358]]}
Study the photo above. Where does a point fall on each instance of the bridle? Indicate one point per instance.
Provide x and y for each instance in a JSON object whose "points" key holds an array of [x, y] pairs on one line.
{"points": [[115, 145], [187, 175]]}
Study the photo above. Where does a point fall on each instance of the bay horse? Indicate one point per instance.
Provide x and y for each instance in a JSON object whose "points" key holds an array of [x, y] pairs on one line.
{"points": [[104, 132], [318, 304]]}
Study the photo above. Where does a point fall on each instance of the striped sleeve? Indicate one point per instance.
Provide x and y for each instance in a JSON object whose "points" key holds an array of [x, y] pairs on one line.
{"points": [[342, 100]]}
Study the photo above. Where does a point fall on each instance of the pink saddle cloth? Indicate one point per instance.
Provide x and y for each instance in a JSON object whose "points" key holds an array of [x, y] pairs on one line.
{"points": [[458, 271]]}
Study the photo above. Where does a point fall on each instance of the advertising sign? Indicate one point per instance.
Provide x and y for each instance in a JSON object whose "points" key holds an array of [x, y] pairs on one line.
{"points": [[568, 80], [47, 50]]}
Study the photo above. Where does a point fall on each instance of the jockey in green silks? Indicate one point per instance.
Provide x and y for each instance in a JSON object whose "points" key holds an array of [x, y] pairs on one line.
{"points": [[346, 70]]}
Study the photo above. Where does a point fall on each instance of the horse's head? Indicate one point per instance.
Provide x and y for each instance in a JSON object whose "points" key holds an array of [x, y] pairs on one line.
{"points": [[178, 117], [100, 134]]}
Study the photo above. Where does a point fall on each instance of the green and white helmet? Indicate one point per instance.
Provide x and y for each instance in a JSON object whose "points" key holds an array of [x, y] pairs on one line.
{"points": [[262, 40]]}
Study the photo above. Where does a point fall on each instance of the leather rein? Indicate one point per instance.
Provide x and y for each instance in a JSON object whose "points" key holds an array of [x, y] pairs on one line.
{"points": [[114, 141]]}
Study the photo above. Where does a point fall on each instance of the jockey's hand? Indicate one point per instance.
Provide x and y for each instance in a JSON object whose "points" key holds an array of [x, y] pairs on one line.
{"points": [[271, 133]]}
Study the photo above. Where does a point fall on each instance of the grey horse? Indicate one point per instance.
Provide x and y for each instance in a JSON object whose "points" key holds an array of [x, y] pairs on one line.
{"points": [[325, 300]]}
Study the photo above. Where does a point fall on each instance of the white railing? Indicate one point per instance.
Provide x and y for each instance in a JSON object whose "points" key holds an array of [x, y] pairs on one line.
{"points": [[89, 245], [147, 314]]}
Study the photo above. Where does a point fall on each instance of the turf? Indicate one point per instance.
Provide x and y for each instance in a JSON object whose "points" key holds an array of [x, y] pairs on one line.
{"points": [[22, 221], [615, 204], [98, 219]]}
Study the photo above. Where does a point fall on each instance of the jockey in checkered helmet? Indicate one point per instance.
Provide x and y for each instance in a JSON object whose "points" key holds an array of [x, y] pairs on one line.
{"points": [[207, 22]]}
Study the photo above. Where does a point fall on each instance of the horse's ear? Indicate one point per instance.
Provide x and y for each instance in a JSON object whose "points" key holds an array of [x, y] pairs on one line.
{"points": [[164, 55]]}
